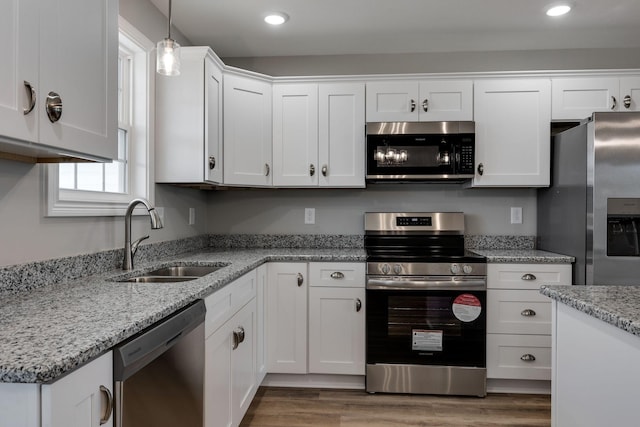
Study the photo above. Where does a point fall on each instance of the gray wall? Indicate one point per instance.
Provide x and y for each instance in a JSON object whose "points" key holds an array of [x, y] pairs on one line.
{"points": [[340, 211], [443, 62]]}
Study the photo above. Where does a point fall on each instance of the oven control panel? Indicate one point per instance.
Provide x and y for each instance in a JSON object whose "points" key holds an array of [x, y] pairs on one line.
{"points": [[404, 221], [415, 269]]}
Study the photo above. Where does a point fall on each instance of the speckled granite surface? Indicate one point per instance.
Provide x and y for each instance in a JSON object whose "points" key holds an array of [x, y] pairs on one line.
{"points": [[616, 305], [317, 241], [499, 242], [53, 329], [523, 256]]}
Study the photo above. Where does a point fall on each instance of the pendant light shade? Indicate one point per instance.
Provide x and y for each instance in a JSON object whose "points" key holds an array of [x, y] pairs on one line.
{"points": [[168, 54]]}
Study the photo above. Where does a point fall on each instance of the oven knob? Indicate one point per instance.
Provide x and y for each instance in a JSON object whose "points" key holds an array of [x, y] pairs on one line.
{"points": [[397, 269], [455, 268], [385, 268], [467, 269]]}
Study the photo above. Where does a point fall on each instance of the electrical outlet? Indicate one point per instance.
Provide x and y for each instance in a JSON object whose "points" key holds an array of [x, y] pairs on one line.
{"points": [[516, 215], [309, 215], [192, 216]]}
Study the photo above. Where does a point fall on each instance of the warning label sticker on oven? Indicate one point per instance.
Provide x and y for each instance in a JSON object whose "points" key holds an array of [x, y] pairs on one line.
{"points": [[466, 307], [426, 340]]}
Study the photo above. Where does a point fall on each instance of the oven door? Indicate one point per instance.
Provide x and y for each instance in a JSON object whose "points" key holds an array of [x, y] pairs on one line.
{"points": [[426, 321]]}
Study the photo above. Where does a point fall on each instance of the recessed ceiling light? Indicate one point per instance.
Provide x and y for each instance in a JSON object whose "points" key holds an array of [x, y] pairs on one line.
{"points": [[277, 18], [558, 10]]}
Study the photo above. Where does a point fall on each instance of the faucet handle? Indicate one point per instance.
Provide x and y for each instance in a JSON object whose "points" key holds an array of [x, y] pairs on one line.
{"points": [[134, 245]]}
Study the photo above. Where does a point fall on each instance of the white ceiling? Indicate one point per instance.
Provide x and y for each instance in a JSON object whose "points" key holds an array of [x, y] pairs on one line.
{"points": [[235, 28]]}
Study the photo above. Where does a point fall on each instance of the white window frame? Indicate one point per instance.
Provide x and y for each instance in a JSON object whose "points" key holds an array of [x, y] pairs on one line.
{"points": [[61, 202]]}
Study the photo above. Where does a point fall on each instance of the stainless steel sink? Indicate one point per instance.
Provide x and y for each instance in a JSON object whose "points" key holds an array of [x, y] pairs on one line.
{"points": [[174, 273]]}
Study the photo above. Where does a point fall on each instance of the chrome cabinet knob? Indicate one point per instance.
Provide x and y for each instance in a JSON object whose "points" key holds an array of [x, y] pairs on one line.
{"points": [[358, 305], [480, 169], [425, 105], [325, 170], [31, 93], [614, 103], [627, 102], [413, 105], [212, 162], [53, 107], [312, 170], [267, 169], [300, 279]]}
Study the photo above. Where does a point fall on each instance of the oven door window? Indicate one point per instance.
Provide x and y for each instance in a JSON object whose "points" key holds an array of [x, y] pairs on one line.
{"points": [[426, 327]]}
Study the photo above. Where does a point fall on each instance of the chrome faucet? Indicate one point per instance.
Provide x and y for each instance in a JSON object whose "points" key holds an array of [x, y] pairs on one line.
{"points": [[131, 248]]}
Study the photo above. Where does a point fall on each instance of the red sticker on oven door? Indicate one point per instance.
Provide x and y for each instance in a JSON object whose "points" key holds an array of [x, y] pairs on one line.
{"points": [[466, 307]]}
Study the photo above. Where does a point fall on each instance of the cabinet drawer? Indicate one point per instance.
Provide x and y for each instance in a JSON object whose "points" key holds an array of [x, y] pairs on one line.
{"points": [[518, 312], [337, 274], [225, 302], [527, 276], [507, 356]]}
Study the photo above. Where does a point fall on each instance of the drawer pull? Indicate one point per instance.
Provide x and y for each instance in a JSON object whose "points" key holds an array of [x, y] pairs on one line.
{"points": [[300, 279], [337, 275], [527, 312], [528, 358], [528, 276], [358, 305]]}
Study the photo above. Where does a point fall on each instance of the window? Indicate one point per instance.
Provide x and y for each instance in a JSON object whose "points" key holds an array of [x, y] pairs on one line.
{"points": [[105, 189]]}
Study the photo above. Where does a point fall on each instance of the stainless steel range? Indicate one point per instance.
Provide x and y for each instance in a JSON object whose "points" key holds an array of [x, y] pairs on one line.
{"points": [[426, 306]]}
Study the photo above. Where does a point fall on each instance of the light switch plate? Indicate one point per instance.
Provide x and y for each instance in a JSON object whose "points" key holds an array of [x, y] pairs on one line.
{"points": [[516, 215], [192, 216], [309, 215]]}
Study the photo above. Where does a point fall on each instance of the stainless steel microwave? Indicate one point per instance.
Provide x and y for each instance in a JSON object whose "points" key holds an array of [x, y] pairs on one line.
{"points": [[420, 151]]}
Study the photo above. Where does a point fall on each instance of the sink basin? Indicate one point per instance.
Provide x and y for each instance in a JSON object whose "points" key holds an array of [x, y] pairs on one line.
{"points": [[174, 273]]}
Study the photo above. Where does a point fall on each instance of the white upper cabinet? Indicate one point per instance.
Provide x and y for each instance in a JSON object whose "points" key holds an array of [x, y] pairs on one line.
{"points": [[341, 137], [189, 120], [318, 135], [247, 131], [513, 132], [66, 69], [577, 98], [295, 135], [432, 100]]}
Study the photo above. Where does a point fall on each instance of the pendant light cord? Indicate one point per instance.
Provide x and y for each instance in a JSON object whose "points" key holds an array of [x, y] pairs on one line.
{"points": [[169, 29]]}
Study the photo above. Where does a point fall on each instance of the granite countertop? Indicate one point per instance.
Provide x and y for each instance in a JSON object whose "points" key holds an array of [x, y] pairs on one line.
{"points": [[523, 256], [50, 330], [617, 305]]}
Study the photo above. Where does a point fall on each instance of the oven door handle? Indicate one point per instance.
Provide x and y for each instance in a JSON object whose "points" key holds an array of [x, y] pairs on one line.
{"points": [[441, 283]]}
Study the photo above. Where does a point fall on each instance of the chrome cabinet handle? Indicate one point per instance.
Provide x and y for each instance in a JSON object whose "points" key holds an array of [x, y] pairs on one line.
{"points": [[325, 170], [413, 105], [53, 107], [300, 279], [528, 276], [425, 105], [614, 102], [358, 305], [31, 92], [337, 275], [312, 170], [480, 169], [626, 101], [109, 409], [238, 337], [212, 162], [527, 313], [528, 358], [267, 169]]}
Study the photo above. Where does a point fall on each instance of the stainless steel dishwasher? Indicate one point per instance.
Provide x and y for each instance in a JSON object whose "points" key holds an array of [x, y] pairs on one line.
{"points": [[158, 374]]}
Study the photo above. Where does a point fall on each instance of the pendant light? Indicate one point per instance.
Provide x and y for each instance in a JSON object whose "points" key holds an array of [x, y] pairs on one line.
{"points": [[168, 54]]}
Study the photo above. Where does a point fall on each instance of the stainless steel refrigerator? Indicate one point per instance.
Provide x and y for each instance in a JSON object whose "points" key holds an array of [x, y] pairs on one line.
{"points": [[592, 209]]}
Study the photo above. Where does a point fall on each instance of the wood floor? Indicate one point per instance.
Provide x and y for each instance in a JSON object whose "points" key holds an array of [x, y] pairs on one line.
{"points": [[301, 407]]}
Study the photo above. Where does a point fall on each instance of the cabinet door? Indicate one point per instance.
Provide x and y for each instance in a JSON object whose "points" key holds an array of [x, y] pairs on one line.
{"points": [[336, 330], [247, 131], [341, 142], [78, 61], [446, 100], [512, 132], [629, 94], [19, 33], [213, 124], [287, 318], [519, 357], [243, 361], [522, 311], [261, 350], [578, 98], [392, 101], [218, 377], [295, 135], [80, 398]]}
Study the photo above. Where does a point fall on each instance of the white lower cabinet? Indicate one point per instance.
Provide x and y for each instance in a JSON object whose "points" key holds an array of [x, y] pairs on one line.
{"points": [[519, 319], [261, 348], [231, 379], [286, 318], [83, 398]]}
